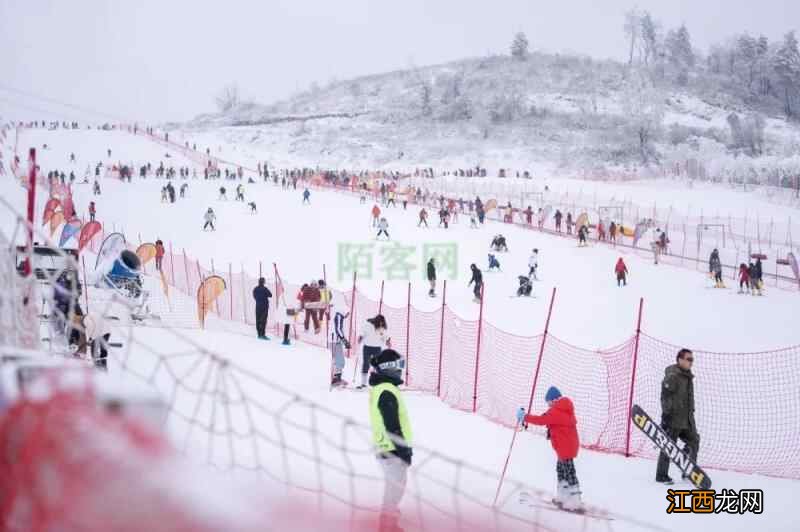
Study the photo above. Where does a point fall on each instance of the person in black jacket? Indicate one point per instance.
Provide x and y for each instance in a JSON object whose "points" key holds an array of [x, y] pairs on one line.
{"points": [[477, 278], [677, 411], [262, 294], [391, 432], [432, 277]]}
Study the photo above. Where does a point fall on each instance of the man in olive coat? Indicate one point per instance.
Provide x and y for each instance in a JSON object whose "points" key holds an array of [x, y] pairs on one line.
{"points": [[677, 410]]}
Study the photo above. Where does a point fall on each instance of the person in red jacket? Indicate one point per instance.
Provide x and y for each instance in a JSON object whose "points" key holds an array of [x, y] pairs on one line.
{"points": [[622, 272], [563, 435], [159, 254], [744, 278], [376, 214]]}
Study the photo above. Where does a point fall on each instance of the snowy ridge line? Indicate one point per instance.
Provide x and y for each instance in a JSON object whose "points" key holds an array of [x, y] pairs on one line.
{"points": [[251, 425], [501, 372]]}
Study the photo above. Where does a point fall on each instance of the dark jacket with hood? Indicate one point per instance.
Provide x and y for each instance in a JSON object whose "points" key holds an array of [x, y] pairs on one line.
{"points": [[431, 271], [677, 398]]}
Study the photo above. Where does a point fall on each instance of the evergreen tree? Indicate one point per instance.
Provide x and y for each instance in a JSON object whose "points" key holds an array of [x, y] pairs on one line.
{"points": [[787, 70]]}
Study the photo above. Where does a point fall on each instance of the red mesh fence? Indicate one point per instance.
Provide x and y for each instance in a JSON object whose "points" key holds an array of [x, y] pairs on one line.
{"points": [[442, 357], [747, 406]]}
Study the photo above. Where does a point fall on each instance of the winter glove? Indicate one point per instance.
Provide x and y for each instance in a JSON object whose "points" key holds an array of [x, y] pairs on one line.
{"points": [[521, 417]]}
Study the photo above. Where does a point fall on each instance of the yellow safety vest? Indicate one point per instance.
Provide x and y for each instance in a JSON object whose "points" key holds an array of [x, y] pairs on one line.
{"points": [[380, 436]]}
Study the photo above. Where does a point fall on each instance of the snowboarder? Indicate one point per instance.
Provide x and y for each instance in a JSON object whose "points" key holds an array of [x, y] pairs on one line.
{"points": [[391, 431], [525, 286], [92, 211], [432, 277], [715, 269], [622, 272], [159, 254], [499, 243], [563, 434], [373, 338], [477, 278], [494, 264], [533, 264], [677, 411], [307, 196], [262, 295], [383, 226], [209, 217]]}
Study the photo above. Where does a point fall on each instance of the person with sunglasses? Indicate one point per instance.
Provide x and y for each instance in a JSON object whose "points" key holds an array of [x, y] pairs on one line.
{"points": [[677, 410]]}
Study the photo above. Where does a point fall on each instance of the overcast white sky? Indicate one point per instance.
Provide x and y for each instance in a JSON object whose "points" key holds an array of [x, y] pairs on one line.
{"points": [[165, 59]]}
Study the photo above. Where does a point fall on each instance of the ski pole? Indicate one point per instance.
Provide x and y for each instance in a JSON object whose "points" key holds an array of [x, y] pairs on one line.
{"points": [[505, 467]]}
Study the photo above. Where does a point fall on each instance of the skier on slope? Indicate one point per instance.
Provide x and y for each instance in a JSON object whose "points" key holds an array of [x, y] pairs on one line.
{"points": [[715, 269], [307, 196], [376, 214], [92, 211], [622, 272], [583, 231], [533, 264], [477, 278], [494, 264], [744, 278], [209, 217], [222, 194], [563, 435], [339, 340], [373, 338], [423, 217], [391, 432], [557, 218], [383, 227], [432, 277]]}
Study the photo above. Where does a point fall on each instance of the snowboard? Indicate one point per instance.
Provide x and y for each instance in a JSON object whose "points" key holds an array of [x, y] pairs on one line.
{"points": [[669, 447]]}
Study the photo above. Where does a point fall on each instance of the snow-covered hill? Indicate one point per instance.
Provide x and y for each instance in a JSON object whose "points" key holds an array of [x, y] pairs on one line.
{"points": [[550, 112]]}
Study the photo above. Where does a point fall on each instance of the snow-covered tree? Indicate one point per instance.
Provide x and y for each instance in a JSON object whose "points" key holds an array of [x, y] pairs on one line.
{"points": [[633, 31], [519, 47], [425, 92], [680, 54], [228, 98], [787, 70], [643, 107], [650, 39]]}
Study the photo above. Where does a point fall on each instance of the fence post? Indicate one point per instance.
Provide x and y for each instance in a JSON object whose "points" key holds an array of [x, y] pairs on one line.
{"points": [[633, 376], [541, 348], [186, 271], [85, 284], [244, 297], [202, 299], [408, 327], [277, 293], [259, 270], [478, 354], [172, 263], [327, 311], [441, 341], [352, 313], [380, 301], [230, 277]]}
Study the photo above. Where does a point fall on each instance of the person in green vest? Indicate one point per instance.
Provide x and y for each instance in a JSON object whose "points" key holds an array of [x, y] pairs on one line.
{"points": [[391, 433]]}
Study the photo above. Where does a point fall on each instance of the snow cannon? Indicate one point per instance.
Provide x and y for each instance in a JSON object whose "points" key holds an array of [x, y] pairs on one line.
{"points": [[125, 274]]}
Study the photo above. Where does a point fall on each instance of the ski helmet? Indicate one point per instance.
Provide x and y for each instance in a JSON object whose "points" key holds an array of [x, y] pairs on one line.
{"points": [[389, 363]]}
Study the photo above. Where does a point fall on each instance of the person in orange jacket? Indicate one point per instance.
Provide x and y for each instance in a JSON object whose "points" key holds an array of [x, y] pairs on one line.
{"points": [[563, 435]]}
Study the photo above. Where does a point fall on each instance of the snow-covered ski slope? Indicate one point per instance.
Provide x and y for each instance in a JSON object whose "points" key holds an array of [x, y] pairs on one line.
{"points": [[590, 311]]}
